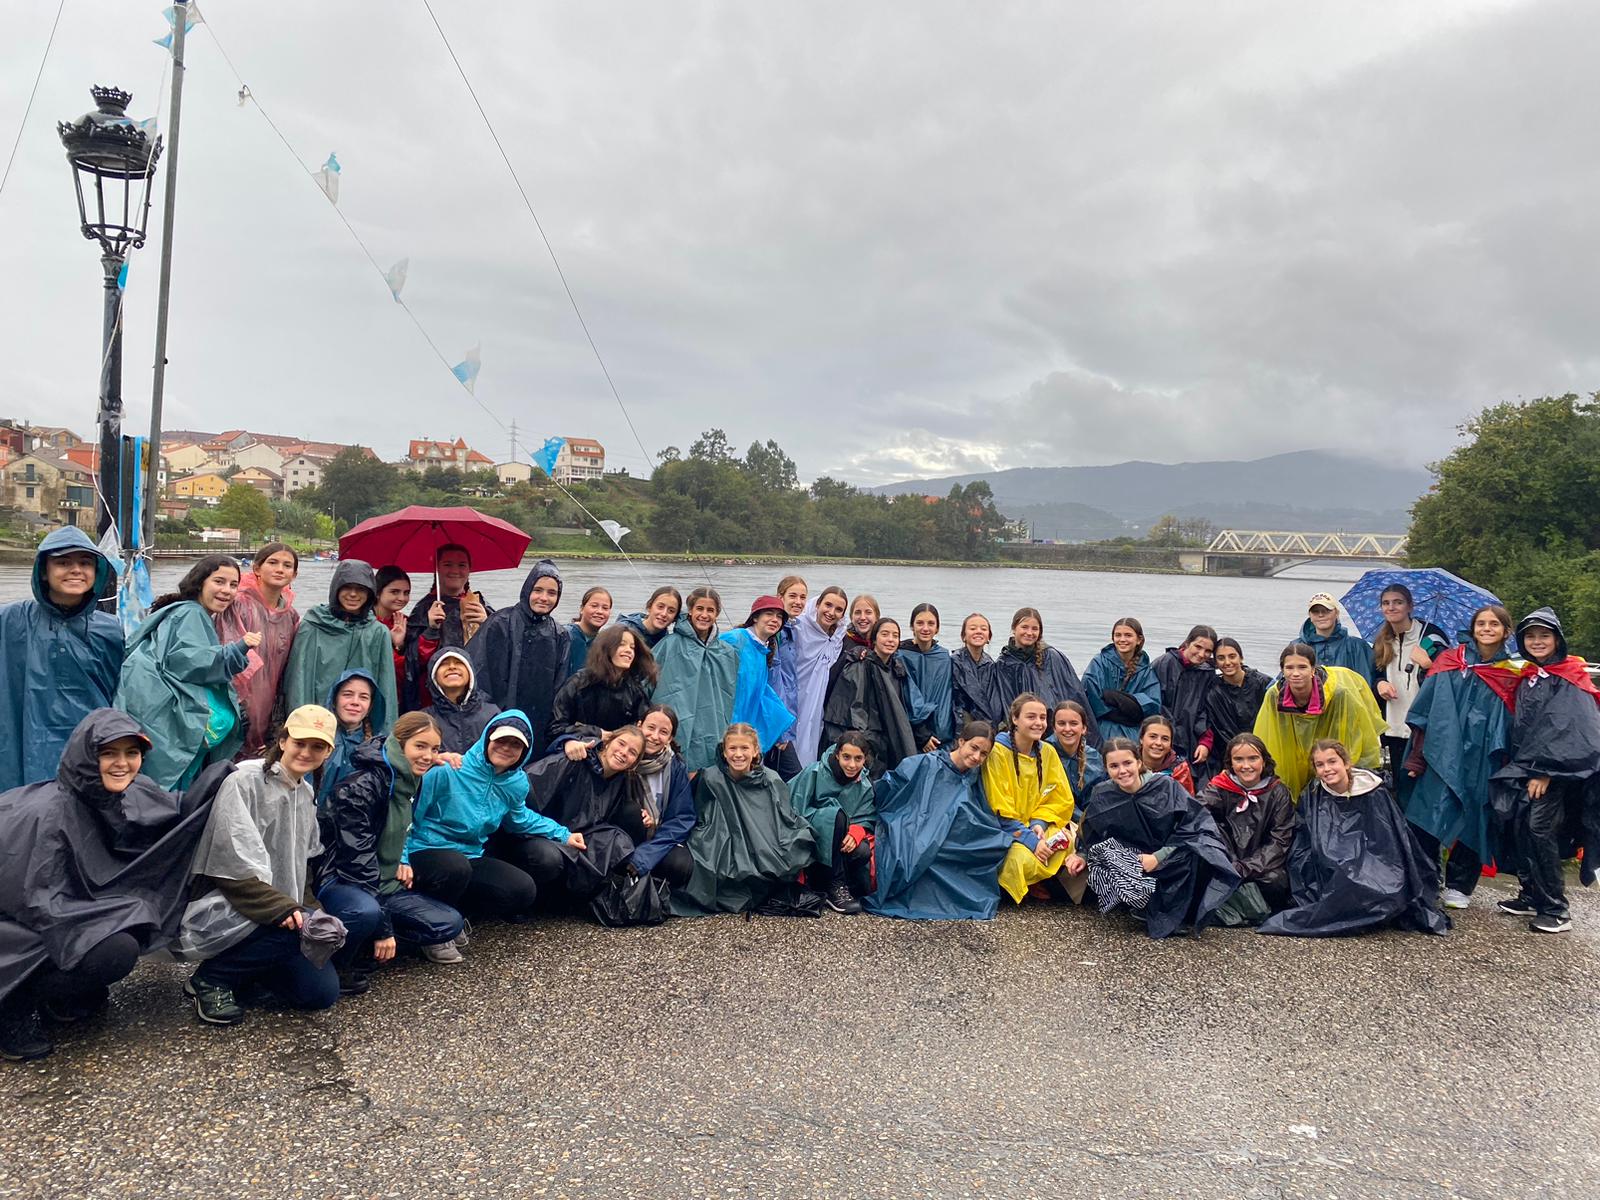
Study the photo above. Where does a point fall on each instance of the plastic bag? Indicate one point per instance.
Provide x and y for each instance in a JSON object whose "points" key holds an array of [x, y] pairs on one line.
{"points": [[631, 900]]}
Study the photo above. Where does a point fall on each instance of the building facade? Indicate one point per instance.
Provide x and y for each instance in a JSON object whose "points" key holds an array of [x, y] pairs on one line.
{"points": [[580, 459]]}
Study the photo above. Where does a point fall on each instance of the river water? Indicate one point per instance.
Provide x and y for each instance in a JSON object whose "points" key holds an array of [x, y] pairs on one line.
{"points": [[1078, 606]]}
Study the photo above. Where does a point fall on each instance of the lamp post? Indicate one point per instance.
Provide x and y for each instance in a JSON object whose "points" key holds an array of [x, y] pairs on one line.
{"points": [[112, 162]]}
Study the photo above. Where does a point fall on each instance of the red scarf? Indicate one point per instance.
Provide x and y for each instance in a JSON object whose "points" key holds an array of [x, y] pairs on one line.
{"points": [[1225, 782], [1571, 668]]}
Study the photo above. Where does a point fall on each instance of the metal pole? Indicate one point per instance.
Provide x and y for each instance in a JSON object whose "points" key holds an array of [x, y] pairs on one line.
{"points": [[164, 288], [110, 398]]}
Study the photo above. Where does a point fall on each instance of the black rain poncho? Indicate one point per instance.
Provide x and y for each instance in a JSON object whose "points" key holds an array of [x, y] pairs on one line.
{"points": [[748, 840], [1186, 699], [461, 723], [588, 707], [972, 688], [605, 810], [877, 698], [1232, 709], [1355, 866], [1044, 671], [521, 658], [1197, 875], [79, 864], [1257, 825]]}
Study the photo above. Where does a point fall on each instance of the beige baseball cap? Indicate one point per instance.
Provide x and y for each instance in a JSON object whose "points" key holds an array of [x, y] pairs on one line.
{"points": [[312, 722], [1323, 600]]}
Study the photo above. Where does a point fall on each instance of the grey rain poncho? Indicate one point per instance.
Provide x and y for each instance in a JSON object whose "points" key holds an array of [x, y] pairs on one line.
{"points": [[261, 827]]}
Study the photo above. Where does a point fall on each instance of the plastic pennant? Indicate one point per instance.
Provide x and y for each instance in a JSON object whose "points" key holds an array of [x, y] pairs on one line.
{"points": [[149, 125], [244, 95], [171, 14], [122, 278], [615, 532], [545, 457], [328, 178], [467, 369], [164, 42], [395, 277]]}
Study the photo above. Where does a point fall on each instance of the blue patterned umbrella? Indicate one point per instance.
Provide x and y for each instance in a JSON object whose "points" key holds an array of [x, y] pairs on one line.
{"points": [[1446, 600]]}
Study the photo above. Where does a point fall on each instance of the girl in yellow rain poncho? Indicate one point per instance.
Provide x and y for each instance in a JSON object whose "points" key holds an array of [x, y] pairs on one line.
{"points": [[1310, 703], [1028, 790]]}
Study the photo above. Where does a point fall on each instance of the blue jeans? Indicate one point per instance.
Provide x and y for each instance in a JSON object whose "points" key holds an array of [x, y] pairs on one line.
{"points": [[411, 917], [271, 958]]}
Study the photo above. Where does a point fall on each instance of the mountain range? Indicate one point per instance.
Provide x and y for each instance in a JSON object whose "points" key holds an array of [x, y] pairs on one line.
{"points": [[1307, 490]]}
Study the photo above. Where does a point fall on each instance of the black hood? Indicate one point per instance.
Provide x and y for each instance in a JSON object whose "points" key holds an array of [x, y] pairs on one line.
{"points": [[133, 818], [352, 572], [542, 569], [1547, 617]]}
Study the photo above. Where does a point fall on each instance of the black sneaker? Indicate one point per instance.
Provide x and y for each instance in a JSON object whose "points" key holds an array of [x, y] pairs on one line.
{"points": [[62, 1012], [213, 1003], [21, 1037], [1519, 907], [354, 982], [837, 897], [1549, 924]]}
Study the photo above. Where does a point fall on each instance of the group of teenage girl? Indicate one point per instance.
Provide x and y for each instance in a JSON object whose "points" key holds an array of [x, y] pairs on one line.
{"points": [[291, 802]]}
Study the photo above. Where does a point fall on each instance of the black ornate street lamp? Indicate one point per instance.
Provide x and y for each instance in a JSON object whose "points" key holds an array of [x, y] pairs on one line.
{"points": [[112, 161]]}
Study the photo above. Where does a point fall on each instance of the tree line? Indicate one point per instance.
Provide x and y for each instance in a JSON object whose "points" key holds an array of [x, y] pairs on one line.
{"points": [[1517, 510], [711, 501]]}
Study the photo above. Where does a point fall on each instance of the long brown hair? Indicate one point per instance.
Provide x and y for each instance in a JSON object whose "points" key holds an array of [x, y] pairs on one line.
{"points": [[1017, 618], [1082, 755], [1386, 642], [1129, 669], [599, 667], [194, 579]]}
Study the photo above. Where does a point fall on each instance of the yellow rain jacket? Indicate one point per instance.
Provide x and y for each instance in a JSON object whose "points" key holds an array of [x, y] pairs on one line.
{"points": [[1349, 713], [1028, 793]]}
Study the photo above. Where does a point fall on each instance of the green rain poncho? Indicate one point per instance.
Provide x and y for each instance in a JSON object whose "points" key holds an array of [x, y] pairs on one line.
{"points": [[177, 682], [331, 643], [697, 682], [818, 797], [1341, 707], [748, 840]]}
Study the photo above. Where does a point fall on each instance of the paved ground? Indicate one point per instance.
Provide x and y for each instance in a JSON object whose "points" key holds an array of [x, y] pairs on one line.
{"points": [[1048, 1053]]}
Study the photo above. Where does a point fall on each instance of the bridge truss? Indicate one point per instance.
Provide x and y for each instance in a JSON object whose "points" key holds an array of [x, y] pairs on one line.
{"points": [[1281, 543]]}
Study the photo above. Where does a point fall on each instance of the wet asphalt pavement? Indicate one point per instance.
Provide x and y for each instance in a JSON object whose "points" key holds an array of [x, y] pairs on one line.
{"points": [[1048, 1053]]}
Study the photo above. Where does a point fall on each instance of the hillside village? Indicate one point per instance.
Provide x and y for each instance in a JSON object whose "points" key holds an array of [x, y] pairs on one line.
{"points": [[47, 473]]}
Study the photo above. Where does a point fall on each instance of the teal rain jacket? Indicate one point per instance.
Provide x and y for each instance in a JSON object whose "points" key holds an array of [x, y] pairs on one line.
{"points": [[58, 667], [697, 682], [177, 682]]}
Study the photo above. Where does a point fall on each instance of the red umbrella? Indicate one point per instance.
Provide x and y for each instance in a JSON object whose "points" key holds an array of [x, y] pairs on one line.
{"points": [[408, 539]]}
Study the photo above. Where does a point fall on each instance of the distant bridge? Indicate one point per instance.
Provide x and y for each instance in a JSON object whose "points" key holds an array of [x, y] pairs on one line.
{"points": [[1268, 552]]}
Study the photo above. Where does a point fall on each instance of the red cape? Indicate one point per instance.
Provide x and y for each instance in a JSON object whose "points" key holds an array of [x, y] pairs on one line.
{"points": [[1500, 677]]}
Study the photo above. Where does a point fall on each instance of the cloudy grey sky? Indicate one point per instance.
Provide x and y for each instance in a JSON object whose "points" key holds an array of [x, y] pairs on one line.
{"points": [[899, 238]]}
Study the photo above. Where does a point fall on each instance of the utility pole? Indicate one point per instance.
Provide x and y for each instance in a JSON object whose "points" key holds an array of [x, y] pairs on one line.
{"points": [[513, 457], [158, 388]]}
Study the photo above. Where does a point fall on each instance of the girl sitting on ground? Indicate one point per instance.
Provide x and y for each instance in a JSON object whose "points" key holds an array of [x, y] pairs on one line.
{"points": [[1029, 792], [1146, 844], [749, 839]]}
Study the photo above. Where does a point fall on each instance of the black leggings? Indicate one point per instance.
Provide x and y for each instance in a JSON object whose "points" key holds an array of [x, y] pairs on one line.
{"points": [[856, 866], [482, 887], [85, 984], [676, 867]]}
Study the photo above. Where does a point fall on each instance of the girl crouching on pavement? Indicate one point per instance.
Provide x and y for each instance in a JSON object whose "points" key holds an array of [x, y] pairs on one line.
{"points": [[749, 838], [252, 880], [459, 811], [368, 883], [834, 795]]}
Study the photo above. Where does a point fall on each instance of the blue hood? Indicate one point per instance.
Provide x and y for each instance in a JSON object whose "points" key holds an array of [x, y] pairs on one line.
{"points": [[376, 716], [70, 537]]}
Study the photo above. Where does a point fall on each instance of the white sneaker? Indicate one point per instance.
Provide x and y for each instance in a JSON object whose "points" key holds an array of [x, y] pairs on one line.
{"points": [[1451, 898], [443, 952], [465, 936]]}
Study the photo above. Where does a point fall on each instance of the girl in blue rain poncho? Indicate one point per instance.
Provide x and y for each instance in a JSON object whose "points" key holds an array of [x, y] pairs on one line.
{"points": [[938, 844], [1121, 684]]}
